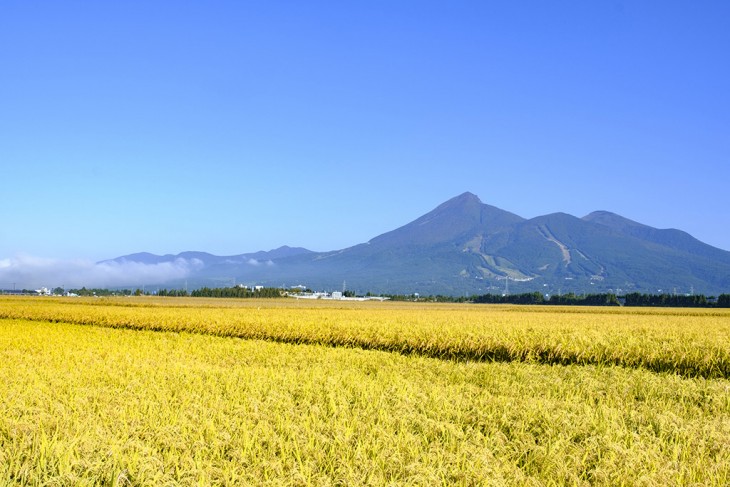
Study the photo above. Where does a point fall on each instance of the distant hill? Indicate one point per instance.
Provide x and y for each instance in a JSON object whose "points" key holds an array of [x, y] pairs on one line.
{"points": [[467, 247]]}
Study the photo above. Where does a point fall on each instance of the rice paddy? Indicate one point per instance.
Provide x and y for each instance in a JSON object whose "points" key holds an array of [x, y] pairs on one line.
{"points": [[216, 392]]}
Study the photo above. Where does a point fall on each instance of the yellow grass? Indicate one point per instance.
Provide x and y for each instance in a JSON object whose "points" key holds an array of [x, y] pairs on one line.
{"points": [[688, 342], [118, 404]]}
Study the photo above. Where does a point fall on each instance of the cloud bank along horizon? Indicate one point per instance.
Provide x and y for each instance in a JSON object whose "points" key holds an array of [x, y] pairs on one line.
{"points": [[30, 272]]}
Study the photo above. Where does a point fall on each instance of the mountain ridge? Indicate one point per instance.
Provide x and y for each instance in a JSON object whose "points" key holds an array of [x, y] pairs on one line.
{"points": [[464, 246]]}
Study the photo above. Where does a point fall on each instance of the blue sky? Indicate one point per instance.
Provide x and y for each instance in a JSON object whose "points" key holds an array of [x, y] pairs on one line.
{"points": [[232, 127]]}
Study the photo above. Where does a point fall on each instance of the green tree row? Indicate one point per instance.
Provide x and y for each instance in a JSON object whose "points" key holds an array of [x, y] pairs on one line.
{"points": [[237, 292], [670, 300], [538, 298]]}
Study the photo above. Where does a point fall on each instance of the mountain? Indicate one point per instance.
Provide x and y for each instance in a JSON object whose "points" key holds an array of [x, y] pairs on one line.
{"points": [[452, 221], [464, 246]]}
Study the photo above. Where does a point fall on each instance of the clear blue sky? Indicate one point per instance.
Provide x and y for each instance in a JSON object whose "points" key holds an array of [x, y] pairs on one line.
{"points": [[232, 127]]}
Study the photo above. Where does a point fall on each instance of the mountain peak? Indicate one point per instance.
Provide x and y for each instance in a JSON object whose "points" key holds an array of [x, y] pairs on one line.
{"points": [[612, 220], [467, 196], [464, 200], [461, 216]]}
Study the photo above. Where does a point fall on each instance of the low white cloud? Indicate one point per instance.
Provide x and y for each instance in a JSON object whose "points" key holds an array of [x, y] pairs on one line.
{"points": [[29, 272]]}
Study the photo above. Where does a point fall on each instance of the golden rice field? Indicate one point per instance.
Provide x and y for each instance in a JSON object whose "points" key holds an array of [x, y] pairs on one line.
{"points": [[145, 391]]}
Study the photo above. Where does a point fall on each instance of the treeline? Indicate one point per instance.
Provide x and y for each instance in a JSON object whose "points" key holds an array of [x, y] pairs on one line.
{"points": [[538, 298], [670, 300], [97, 292], [525, 298], [571, 299], [206, 292], [632, 299], [235, 292]]}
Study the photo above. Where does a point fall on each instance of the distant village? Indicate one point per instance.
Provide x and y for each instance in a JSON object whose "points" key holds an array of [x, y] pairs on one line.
{"points": [[336, 295]]}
